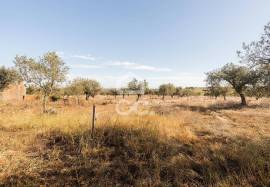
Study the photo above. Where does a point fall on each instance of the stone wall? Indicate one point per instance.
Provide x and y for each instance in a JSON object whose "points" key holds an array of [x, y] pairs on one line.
{"points": [[14, 92]]}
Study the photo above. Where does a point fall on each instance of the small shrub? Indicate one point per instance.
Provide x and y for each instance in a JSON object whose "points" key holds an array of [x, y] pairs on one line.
{"points": [[55, 98]]}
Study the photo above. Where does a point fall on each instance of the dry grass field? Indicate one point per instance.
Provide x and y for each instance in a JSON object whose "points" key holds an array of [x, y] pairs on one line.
{"points": [[190, 141]]}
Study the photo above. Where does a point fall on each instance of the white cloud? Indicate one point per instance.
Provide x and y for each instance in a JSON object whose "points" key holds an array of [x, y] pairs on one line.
{"points": [[135, 66], [149, 68], [86, 66], [60, 53], [84, 57], [122, 64]]}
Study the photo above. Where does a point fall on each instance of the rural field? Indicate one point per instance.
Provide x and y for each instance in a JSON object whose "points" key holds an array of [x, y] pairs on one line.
{"points": [[180, 141], [135, 93]]}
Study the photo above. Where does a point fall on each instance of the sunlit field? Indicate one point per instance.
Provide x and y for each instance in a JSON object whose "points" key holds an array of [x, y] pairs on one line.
{"points": [[192, 141]]}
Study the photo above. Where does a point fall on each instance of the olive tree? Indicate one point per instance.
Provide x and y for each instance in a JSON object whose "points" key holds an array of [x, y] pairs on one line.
{"points": [[90, 88], [74, 88], [214, 85], [186, 92], [167, 89], [179, 91], [256, 91], [113, 92], [45, 73], [146, 87], [138, 87], [217, 91], [85, 86], [7, 77], [212, 91], [257, 56], [239, 77], [124, 91], [223, 91], [257, 53]]}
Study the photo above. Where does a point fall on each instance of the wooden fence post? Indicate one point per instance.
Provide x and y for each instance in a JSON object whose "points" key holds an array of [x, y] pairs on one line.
{"points": [[93, 120]]}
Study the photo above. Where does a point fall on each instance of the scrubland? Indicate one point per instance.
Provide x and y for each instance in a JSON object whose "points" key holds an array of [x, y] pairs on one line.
{"points": [[189, 141]]}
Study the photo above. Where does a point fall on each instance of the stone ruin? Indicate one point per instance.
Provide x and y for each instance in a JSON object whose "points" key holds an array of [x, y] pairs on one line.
{"points": [[14, 92]]}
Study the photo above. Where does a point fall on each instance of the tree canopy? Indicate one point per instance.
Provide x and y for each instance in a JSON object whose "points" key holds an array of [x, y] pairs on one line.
{"points": [[138, 87], [90, 87], [84, 86], [44, 73], [8, 76], [257, 56], [167, 89], [239, 77]]}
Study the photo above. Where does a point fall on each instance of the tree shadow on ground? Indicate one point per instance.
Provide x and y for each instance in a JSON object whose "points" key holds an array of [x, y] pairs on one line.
{"points": [[140, 157], [218, 107]]}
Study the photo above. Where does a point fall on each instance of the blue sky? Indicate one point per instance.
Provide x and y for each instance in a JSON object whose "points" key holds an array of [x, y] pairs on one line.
{"points": [[113, 40]]}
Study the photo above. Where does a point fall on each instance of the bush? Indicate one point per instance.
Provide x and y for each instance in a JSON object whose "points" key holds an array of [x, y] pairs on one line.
{"points": [[55, 98]]}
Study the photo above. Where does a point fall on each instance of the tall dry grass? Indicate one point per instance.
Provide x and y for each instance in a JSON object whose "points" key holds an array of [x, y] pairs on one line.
{"points": [[174, 146]]}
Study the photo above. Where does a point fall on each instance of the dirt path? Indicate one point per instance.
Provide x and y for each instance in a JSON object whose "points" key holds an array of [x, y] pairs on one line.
{"points": [[225, 127], [233, 124]]}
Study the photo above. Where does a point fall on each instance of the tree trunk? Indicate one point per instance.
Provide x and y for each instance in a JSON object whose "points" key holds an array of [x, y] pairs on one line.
{"points": [[243, 99], [44, 104], [138, 97], [163, 97], [224, 97]]}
